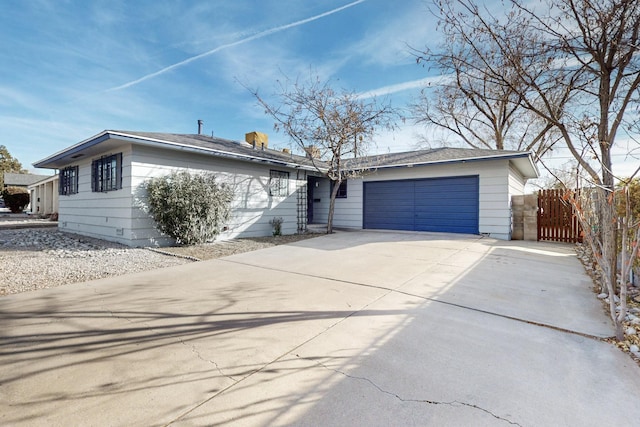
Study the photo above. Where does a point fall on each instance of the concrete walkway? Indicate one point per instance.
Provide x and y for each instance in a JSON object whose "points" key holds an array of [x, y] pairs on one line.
{"points": [[10, 220], [360, 328]]}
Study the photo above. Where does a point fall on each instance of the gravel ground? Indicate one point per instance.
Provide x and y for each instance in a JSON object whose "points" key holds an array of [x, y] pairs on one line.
{"points": [[32, 259], [631, 342]]}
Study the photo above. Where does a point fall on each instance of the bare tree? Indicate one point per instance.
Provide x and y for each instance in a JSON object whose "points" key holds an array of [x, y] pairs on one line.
{"points": [[624, 202], [573, 63], [472, 106], [334, 126]]}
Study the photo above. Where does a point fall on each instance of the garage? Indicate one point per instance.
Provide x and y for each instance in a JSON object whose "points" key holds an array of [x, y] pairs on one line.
{"points": [[449, 205]]}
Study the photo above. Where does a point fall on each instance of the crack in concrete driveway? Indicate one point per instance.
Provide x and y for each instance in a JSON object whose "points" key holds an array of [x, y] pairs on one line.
{"points": [[401, 399], [286, 335]]}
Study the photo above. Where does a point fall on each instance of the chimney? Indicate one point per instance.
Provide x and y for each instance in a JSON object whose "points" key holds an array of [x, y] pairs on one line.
{"points": [[199, 127], [257, 139], [312, 152]]}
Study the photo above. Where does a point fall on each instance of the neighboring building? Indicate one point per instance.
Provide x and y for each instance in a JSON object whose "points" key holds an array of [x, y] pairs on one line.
{"points": [[21, 179], [44, 196], [451, 190]]}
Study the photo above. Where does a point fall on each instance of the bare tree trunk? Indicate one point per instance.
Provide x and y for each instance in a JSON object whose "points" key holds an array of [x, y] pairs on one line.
{"points": [[609, 237], [332, 205], [608, 206], [600, 240], [608, 253], [623, 281]]}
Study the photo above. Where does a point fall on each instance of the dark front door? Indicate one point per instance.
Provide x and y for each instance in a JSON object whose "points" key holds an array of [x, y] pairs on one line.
{"points": [[311, 184]]}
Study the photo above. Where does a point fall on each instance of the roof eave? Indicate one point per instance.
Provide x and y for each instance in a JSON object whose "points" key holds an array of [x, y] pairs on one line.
{"points": [[48, 162], [531, 173], [43, 181], [82, 145], [194, 149], [529, 170]]}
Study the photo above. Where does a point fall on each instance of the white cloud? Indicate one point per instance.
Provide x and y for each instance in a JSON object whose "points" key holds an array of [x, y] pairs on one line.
{"points": [[16, 98], [392, 38], [405, 138], [244, 40], [401, 87]]}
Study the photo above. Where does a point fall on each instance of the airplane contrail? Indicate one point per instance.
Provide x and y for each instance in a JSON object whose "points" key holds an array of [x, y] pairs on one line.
{"points": [[400, 87], [236, 43]]}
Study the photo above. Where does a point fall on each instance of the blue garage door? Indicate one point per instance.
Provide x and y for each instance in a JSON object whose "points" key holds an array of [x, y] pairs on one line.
{"points": [[447, 205]]}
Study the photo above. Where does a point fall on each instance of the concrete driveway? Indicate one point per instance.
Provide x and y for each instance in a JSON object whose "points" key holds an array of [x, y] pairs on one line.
{"points": [[356, 328]]}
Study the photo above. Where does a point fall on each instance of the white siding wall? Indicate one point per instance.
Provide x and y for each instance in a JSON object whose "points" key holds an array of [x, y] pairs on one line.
{"points": [[252, 207], [117, 215], [495, 215], [321, 197], [348, 211], [516, 183], [103, 215]]}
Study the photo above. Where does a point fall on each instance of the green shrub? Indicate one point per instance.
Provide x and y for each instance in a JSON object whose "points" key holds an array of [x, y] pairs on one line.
{"points": [[191, 208], [16, 198]]}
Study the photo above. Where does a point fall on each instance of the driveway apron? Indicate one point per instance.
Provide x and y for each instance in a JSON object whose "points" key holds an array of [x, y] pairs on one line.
{"points": [[355, 328]]}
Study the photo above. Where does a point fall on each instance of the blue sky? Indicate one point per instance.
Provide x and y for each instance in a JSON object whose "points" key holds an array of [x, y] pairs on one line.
{"points": [[74, 68]]}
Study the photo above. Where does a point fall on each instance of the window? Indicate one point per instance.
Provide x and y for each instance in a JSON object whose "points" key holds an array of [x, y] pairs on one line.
{"points": [[342, 190], [278, 183], [68, 181], [106, 173]]}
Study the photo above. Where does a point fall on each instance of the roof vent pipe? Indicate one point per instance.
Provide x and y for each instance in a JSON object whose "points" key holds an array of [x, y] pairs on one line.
{"points": [[199, 127]]}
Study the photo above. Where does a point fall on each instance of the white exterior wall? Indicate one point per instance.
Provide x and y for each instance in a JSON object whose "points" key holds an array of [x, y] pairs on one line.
{"points": [[322, 193], [516, 183], [117, 215], [495, 181], [252, 207], [348, 211], [102, 215]]}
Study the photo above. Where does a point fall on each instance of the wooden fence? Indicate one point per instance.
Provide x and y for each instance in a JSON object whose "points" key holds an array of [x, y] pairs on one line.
{"points": [[556, 219]]}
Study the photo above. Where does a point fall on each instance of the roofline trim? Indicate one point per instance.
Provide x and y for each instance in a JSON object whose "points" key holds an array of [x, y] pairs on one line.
{"points": [[193, 148], [105, 135], [44, 181], [492, 157], [87, 143]]}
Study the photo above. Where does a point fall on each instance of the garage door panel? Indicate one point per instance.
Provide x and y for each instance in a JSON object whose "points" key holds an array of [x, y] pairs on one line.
{"points": [[433, 204], [450, 228], [388, 207], [437, 216], [403, 226]]}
